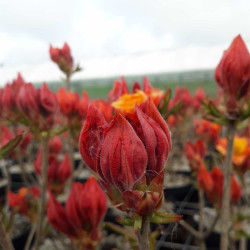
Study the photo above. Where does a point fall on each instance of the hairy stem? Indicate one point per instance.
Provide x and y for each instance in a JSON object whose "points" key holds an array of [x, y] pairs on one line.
{"points": [[227, 169], [44, 187], [144, 234]]}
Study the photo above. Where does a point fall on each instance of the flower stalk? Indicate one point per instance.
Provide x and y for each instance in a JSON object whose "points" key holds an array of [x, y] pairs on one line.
{"points": [[227, 169], [44, 187], [144, 234]]}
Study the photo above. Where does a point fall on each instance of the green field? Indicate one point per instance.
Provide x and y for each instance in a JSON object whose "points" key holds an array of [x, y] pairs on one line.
{"points": [[99, 87]]}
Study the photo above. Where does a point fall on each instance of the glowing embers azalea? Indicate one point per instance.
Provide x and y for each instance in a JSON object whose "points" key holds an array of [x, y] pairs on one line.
{"points": [[25, 201], [195, 154], [241, 152], [129, 154], [208, 131], [212, 184], [81, 217], [125, 102]]}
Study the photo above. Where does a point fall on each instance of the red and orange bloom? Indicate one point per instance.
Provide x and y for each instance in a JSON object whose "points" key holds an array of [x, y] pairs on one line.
{"points": [[125, 102], [208, 131], [25, 201], [241, 151], [68, 102], [195, 154], [81, 217], [129, 155], [212, 184], [233, 72], [62, 57], [198, 98]]}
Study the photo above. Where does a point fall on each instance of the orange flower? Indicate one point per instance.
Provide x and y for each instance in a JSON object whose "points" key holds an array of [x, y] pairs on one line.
{"points": [[126, 103], [240, 151], [25, 201], [68, 101]]}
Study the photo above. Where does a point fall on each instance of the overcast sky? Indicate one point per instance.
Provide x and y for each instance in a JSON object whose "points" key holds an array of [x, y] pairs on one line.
{"points": [[108, 36]]}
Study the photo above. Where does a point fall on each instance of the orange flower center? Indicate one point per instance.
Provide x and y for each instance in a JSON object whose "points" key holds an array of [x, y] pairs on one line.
{"points": [[126, 103]]}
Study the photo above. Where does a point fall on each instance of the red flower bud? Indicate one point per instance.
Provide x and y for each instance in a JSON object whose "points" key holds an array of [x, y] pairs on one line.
{"points": [[58, 218], [233, 72], [83, 105], [55, 145], [92, 137], [8, 98], [80, 219], [123, 155], [235, 193], [64, 170], [27, 100], [204, 179], [62, 57], [155, 142], [118, 90], [150, 109], [48, 100], [195, 154]]}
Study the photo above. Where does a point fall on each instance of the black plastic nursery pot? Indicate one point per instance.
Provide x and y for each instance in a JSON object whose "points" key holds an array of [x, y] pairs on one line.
{"points": [[178, 193], [20, 240]]}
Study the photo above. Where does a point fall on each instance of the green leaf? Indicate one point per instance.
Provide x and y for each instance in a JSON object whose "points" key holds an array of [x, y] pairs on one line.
{"points": [[125, 221], [9, 147], [213, 110], [174, 109], [137, 223], [166, 100], [162, 217]]}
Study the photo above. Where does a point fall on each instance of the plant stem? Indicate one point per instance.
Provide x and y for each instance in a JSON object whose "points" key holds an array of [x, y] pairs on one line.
{"points": [[44, 186], [71, 144], [4, 239], [144, 234], [201, 221], [227, 169], [68, 82], [30, 237]]}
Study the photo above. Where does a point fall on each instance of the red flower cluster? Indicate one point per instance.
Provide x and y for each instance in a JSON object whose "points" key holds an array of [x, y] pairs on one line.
{"points": [[129, 155], [25, 201], [80, 218], [58, 172], [212, 184], [195, 154], [208, 131], [62, 57]]}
